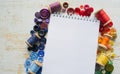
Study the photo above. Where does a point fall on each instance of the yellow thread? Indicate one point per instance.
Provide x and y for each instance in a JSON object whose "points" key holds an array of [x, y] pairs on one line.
{"points": [[102, 59]]}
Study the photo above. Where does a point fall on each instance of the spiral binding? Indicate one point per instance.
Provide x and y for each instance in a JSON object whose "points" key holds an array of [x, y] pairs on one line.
{"points": [[76, 17]]}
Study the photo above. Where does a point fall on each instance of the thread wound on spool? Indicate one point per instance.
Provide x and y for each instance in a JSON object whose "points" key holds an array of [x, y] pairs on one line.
{"points": [[102, 59], [103, 17], [55, 7]]}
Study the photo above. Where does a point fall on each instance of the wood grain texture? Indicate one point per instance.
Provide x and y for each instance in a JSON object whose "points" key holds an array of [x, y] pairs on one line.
{"points": [[16, 20]]}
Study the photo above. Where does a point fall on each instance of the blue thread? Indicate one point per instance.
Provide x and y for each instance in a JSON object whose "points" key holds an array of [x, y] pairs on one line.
{"points": [[34, 67], [39, 71], [33, 40], [41, 53], [33, 56]]}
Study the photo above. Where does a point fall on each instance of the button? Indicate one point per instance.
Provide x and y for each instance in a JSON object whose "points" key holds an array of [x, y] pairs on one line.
{"points": [[41, 53], [97, 67], [43, 40], [40, 59], [27, 63], [44, 13], [70, 11], [37, 21], [98, 72], [86, 6], [33, 56], [32, 32], [43, 32], [36, 28], [37, 14], [41, 47], [109, 67], [77, 11], [33, 48], [65, 5], [43, 25]]}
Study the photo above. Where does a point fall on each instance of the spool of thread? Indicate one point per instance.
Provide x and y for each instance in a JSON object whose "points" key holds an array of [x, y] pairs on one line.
{"points": [[103, 17], [35, 66], [104, 42], [33, 40], [55, 7], [102, 59]]}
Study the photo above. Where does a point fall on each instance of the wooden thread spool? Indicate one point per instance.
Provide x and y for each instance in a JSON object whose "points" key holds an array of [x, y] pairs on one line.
{"points": [[55, 7], [102, 59], [104, 42], [35, 66], [33, 40], [103, 17]]}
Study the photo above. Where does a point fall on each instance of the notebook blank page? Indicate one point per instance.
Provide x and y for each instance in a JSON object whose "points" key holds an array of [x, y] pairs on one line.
{"points": [[71, 46]]}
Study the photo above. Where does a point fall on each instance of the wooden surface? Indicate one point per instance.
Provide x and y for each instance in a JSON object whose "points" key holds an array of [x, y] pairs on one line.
{"points": [[16, 20]]}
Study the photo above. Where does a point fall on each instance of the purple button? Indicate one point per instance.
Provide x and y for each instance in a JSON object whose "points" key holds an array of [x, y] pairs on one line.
{"points": [[37, 14], [44, 13]]}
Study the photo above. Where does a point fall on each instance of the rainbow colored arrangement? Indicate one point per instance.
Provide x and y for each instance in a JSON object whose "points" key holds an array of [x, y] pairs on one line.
{"points": [[36, 43]]}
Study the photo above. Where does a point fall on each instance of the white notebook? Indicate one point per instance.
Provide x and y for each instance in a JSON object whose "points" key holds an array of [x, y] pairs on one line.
{"points": [[71, 45]]}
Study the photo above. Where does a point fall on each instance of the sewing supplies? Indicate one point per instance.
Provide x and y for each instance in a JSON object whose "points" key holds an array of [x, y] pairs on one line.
{"points": [[36, 43], [33, 40], [105, 21], [55, 7], [102, 59], [34, 67]]}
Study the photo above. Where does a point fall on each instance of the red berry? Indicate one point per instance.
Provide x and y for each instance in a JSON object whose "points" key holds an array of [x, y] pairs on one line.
{"points": [[77, 10]]}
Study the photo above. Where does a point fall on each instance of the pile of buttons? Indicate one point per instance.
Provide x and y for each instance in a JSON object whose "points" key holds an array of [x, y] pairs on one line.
{"points": [[36, 43]]}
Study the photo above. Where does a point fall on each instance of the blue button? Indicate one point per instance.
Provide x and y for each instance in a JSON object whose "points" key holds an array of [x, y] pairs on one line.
{"points": [[40, 59], [33, 56], [43, 32], [41, 53], [43, 40], [36, 28], [27, 63], [32, 32], [41, 47]]}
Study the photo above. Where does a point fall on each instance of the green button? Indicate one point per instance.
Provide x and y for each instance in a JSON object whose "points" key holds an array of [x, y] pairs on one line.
{"points": [[98, 72], [108, 73], [109, 67]]}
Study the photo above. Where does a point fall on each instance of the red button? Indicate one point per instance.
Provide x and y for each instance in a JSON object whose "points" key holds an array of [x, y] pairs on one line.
{"points": [[77, 10], [70, 11]]}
